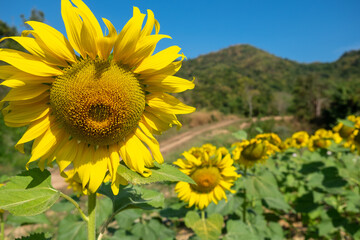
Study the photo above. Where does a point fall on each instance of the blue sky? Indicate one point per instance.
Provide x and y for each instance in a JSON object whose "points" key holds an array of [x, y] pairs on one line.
{"points": [[300, 30]]}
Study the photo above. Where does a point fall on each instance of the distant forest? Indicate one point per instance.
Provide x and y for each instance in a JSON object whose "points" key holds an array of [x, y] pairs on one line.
{"points": [[248, 81]]}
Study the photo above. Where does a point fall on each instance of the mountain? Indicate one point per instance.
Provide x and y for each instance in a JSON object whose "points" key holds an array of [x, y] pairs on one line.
{"points": [[247, 80]]}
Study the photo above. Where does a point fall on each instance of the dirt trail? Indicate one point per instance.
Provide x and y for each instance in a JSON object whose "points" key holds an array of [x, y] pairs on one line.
{"points": [[172, 143]]}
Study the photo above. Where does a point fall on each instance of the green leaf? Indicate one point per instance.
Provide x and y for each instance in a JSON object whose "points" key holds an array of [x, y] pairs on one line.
{"points": [[153, 230], [240, 135], [72, 228], [224, 208], [127, 218], [277, 203], [29, 193], [259, 130], [347, 122], [123, 235], [20, 220], [262, 186], [160, 173], [34, 236], [276, 231], [133, 197], [103, 210], [206, 229], [238, 230]]}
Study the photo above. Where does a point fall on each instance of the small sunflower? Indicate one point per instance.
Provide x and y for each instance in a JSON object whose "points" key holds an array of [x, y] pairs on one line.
{"points": [[343, 130], [322, 139], [272, 138], [252, 151], [285, 144], [98, 108], [300, 139], [213, 175]]}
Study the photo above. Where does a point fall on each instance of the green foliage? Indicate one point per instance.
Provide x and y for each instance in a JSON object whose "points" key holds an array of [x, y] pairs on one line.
{"points": [[35, 236], [250, 81], [160, 173], [29, 193], [205, 228], [133, 197]]}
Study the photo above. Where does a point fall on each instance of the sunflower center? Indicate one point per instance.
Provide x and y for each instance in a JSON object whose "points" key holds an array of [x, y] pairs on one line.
{"points": [[206, 178], [345, 131], [320, 143], [254, 152], [98, 101]]}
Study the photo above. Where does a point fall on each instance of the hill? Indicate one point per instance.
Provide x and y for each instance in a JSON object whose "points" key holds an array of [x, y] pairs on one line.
{"points": [[246, 80]]}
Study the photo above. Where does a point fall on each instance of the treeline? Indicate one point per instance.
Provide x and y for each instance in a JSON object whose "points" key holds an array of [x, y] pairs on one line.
{"points": [[248, 81]]}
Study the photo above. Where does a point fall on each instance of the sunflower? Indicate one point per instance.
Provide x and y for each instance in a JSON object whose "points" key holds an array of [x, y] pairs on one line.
{"points": [[272, 138], [99, 107], [249, 152], [299, 139], [213, 175], [322, 139], [343, 130]]}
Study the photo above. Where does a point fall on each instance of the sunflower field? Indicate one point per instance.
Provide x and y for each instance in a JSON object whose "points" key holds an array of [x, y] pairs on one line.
{"points": [[90, 105], [302, 187]]}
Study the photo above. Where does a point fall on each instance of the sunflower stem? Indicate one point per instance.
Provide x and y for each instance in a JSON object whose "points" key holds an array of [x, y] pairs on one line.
{"points": [[82, 214], [2, 227], [245, 202], [92, 216], [203, 215]]}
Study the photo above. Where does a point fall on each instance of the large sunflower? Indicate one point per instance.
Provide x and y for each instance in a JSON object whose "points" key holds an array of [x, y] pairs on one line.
{"points": [[213, 175], [97, 108]]}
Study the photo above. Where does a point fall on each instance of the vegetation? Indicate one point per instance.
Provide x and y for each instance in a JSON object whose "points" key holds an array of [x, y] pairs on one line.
{"points": [[245, 80]]}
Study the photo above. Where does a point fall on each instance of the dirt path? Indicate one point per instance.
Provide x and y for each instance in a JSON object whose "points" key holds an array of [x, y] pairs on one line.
{"points": [[172, 143]]}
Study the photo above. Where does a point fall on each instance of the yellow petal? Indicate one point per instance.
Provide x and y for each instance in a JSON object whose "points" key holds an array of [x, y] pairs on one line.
{"points": [[73, 23], [23, 115], [7, 71], [36, 129], [144, 48], [66, 155], [168, 83], [149, 26], [82, 162], [168, 104], [127, 39], [26, 92], [98, 169], [50, 38], [114, 161], [43, 144], [86, 12], [152, 144], [159, 61], [135, 155], [28, 63]]}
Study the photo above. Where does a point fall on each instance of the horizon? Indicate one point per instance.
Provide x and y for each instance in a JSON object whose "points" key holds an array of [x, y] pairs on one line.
{"points": [[304, 32]]}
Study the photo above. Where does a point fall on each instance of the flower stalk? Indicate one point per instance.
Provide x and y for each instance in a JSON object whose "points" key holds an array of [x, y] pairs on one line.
{"points": [[92, 216]]}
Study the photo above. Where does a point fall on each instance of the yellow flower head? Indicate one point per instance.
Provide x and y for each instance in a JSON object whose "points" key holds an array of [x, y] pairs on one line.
{"points": [[300, 139], [273, 139], [98, 108], [213, 176], [285, 144], [322, 138], [346, 131], [248, 153]]}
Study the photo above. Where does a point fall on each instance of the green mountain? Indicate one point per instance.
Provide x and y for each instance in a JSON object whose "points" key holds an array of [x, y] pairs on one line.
{"points": [[246, 80]]}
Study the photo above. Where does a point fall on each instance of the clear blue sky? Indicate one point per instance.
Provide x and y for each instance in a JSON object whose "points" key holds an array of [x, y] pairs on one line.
{"points": [[300, 30]]}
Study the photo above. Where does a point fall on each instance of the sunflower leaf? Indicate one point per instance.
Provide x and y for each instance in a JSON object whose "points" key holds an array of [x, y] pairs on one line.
{"points": [[160, 173], [205, 228], [29, 193], [133, 197]]}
